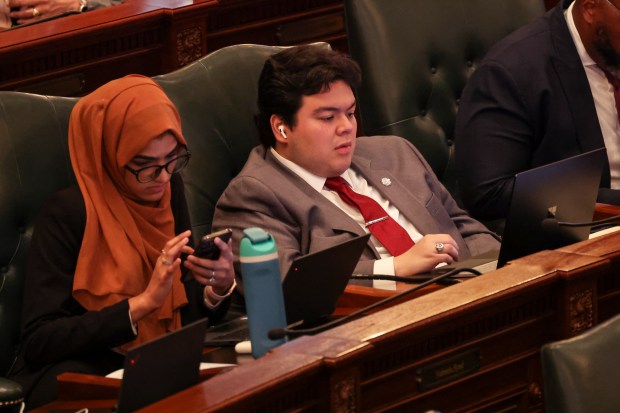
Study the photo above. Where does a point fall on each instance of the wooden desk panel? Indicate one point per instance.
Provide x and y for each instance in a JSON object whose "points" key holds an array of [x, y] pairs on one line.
{"points": [[75, 54], [277, 22], [470, 347]]}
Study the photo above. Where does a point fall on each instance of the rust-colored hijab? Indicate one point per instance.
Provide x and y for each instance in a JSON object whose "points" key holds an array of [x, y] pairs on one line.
{"points": [[123, 238]]}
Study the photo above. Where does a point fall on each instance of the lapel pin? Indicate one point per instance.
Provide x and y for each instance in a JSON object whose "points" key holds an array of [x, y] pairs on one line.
{"points": [[386, 181]]}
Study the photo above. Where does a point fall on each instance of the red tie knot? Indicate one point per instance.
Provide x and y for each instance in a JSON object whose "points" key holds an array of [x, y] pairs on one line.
{"points": [[336, 183]]}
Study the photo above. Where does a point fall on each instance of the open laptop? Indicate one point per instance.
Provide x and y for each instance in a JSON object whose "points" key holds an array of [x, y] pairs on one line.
{"points": [[162, 367], [315, 281], [311, 288], [565, 190]]}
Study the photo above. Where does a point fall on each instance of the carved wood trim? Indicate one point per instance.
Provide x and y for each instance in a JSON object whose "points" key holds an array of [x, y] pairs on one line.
{"points": [[581, 311], [344, 395], [189, 45]]}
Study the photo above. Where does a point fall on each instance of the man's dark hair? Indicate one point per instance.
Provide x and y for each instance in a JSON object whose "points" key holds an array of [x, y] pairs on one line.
{"points": [[300, 71]]}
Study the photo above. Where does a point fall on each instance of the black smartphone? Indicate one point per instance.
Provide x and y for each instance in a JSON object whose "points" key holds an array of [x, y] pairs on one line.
{"points": [[206, 247]]}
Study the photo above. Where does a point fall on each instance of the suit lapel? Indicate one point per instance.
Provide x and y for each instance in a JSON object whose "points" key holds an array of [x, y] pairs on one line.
{"points": [[573, 79], [334, 217], [397, 193]]}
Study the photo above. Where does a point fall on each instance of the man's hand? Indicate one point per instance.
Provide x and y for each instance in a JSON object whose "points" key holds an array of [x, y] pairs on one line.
{"points": [[33, 10], [426, 254]]}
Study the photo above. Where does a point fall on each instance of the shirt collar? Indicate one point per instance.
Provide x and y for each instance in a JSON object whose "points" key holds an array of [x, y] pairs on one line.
{"points": [[315, 181], [586, 60]]}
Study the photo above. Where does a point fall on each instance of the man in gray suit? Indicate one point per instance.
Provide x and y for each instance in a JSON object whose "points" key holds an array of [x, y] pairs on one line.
{"points": [[308, 133]]}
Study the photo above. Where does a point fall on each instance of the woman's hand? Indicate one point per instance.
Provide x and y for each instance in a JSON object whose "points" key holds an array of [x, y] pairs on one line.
{"points": [[32, 10], [161, 280], [218, 274], [426, 254]]}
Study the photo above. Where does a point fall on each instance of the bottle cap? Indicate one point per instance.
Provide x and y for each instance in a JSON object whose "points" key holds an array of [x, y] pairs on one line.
{"points": [[257, 242]]}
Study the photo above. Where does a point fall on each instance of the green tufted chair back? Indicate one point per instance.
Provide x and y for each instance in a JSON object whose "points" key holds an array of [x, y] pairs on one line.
{"points": [[34, 162], [216, 98], [416, 56], [581, 374]]}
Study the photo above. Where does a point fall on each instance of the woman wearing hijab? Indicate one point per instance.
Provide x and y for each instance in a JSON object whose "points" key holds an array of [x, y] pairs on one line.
{"points": [[105, 271]]}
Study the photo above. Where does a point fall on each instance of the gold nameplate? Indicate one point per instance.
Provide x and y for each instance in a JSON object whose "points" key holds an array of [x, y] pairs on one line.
{"points": [[446, 370]]}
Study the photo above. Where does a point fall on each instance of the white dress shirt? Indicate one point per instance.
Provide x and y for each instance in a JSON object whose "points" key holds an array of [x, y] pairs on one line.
{"points": [[604, 101]]}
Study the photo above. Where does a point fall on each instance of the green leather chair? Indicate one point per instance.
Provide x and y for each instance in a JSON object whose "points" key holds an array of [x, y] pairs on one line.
{"points": [[416, 56], [216, 98], [34, 163], [582, 374]]}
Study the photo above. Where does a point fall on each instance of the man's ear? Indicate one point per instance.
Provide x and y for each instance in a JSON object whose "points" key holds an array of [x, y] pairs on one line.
{"points": [[588, 10], [279, 128]]}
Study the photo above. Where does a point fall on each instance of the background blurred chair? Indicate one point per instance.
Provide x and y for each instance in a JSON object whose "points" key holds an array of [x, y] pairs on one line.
{"points": [[34, 162], [216, 98], [416, 56], [582, 374]]}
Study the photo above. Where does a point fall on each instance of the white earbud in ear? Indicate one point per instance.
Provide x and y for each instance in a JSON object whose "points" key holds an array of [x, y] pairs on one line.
{"points": [[281, 129]]}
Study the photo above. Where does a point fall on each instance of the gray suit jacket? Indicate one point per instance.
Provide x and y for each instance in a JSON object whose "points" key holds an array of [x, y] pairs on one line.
{"points": [[267, 194]]}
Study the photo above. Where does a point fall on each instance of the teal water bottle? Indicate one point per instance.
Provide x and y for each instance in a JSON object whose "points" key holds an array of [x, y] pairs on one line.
{"points": [[264, 301]]}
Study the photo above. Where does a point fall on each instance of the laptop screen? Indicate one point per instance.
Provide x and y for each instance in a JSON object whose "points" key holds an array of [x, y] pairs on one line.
{"points": [[162, 367], [565, 190], [315, 281]]}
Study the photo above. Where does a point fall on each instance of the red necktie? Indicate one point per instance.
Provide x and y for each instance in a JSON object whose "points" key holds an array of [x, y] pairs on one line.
{"points": [[615, 82], [389, 232]]}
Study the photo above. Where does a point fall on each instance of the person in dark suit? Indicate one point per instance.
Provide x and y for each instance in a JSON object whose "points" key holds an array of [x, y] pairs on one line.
{"points": [[308, 133], [543, 93], [105, 269]]}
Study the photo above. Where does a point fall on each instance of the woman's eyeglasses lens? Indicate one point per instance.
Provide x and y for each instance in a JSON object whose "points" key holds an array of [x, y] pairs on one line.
{"points": [[150, 173]]}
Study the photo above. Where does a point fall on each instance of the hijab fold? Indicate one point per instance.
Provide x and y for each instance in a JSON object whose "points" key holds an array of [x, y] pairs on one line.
{"points": [[123, 237]]}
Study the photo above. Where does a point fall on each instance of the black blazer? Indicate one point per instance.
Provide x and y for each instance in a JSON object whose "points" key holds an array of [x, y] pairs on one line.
{"points": [[58, 334], [528, 104]]}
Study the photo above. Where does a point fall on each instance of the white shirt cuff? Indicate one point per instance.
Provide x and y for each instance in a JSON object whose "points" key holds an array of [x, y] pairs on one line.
{"points": [[384, 266], [134, 326], [213, 300]]}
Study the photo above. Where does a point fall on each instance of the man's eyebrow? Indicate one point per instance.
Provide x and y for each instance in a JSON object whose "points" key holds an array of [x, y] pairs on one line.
{"points": [[151, 158], [332, 108]]}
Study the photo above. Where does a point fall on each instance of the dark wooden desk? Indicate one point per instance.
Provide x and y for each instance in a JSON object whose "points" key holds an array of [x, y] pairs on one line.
{"points": [[75, 54], [472, 347]]}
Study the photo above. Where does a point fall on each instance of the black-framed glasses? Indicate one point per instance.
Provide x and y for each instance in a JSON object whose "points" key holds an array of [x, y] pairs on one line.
{"points": [[614, 6], [150, 173]]}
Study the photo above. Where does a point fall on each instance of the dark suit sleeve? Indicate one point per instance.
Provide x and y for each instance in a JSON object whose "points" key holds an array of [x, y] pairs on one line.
{"points": [[494, 140], [55, 326]]}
